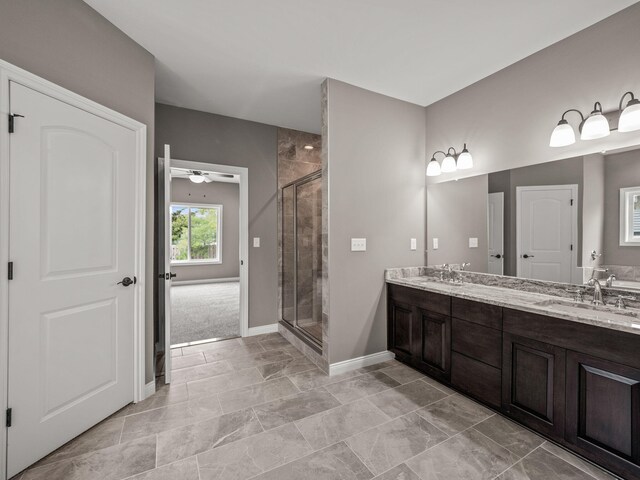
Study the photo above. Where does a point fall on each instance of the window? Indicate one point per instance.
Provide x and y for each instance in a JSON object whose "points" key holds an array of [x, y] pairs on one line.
{"points": [[630, 216], [196, 233]]}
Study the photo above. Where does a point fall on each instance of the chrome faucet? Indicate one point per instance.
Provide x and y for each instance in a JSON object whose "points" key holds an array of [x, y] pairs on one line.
{"points": [[597, 292]]}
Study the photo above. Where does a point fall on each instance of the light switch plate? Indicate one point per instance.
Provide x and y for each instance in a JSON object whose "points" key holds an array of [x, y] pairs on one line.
{"points": [[435, 243], [473, 242], [414, 244], [358, 244], [256, 242]]}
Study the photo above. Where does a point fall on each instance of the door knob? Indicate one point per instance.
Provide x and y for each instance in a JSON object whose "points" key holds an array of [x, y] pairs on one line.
{"points": [[527, 256], [167, 276], [126, 281], [497, 255]]}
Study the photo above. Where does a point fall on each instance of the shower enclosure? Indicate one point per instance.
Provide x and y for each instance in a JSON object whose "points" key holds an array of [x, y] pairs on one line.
{"points": [[302, 256]]}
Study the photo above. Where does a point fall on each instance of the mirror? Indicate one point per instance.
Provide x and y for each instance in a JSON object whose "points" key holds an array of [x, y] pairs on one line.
{"points": [[561, 221]]}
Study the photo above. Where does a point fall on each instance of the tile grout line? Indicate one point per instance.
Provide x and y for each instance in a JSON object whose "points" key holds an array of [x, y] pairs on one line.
{"points": [[519, 461]]}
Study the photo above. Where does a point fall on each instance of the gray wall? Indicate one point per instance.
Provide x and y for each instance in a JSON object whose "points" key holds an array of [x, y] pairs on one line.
{"points": [[457, 211], [621, 170], [70, 44], [218, 193], [210, 138], [507, 118], [376, 162]]}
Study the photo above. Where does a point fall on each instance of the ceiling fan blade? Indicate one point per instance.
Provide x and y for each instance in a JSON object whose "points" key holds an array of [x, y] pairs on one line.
{"points": [[207, 179]]}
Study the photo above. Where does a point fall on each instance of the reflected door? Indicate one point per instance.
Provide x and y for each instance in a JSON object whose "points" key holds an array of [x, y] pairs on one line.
{"points": [[72, 237], [495, 231], [546, 230]]}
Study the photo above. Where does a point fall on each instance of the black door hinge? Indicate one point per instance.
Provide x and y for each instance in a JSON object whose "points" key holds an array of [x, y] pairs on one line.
{"points": [[572, 247], [12, 117], [572, 202], [8, 422], [10, 271]]}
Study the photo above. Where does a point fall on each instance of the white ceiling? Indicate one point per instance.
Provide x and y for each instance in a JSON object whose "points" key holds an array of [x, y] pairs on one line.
{"points": [[264, 60]]}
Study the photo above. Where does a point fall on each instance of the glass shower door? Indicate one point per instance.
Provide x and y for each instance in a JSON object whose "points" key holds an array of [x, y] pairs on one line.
{"points": [[302, 256], [309, 257]]}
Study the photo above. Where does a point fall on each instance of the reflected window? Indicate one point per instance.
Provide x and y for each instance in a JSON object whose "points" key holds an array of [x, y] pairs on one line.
{"points": [[630, 216]]}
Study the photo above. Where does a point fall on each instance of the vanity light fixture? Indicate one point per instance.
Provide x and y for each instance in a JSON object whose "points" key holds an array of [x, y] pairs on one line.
{"points": [[308, 147], [449, 163], [563, 134], [630, 116], [596, 125], [465, 160], [196, 177], [452, 161]]}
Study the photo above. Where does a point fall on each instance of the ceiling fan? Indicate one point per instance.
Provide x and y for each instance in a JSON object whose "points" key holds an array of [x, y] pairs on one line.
{"points": [[196, 176]]}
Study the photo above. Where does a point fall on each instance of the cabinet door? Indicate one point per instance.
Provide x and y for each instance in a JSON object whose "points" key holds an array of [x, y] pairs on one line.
{"points": [[603, 411], [533, 390], [432, 351], [400, 327]]}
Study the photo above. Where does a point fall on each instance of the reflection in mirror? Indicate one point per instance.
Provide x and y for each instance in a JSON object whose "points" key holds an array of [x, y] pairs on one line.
{"points": [[562, 221]]}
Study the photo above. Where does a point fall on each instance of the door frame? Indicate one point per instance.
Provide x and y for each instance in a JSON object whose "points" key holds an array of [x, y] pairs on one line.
{"points": [[243, 172], [9, 72], [575, 274], [501, 196]]}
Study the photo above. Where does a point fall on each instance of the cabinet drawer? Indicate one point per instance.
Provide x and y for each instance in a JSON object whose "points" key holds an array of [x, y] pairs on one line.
{"points": [[475, 312], [476, 378], [477, 342], [433, 302]]}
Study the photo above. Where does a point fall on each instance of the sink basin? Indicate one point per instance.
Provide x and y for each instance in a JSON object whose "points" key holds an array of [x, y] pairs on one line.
{"points": [[600, 311]]}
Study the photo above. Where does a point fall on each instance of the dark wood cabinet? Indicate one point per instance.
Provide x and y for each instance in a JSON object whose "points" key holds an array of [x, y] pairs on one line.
{"points": [[475, 378], [577, 384], [603, 411], [533, 390], [400, 327], [433, 351], [419, 330], [478, 342]]}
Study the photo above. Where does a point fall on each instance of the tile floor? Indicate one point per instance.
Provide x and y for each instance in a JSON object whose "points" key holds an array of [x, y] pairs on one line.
{"points": [[256, 408]]}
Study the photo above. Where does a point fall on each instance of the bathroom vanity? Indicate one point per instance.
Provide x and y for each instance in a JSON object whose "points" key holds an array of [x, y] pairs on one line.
{"points": [[562, 368]]}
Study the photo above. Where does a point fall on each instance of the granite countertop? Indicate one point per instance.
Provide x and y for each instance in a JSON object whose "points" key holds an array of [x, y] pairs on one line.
{"points": [[543, 304]]}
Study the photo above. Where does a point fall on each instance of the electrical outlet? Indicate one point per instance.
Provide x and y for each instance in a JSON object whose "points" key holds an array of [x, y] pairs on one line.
{"points": [[256, 242], [358, 244], [414, 244], [435, 243], [473, 242]]}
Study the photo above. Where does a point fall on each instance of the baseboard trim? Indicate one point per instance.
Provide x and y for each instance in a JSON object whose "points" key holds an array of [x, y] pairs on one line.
{"points": [[204, 280], [354, 363], [273, 328], [149, 389]]}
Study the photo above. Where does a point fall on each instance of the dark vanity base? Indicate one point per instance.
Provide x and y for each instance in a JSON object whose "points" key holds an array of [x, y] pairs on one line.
{"points": [[576, 384]]}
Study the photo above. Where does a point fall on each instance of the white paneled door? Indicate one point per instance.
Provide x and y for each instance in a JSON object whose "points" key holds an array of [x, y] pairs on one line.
{"points": [[73, 248], [546, 232]]}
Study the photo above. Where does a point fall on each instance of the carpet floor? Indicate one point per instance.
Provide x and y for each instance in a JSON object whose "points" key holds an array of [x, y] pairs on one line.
{"points": [[200, 312]]}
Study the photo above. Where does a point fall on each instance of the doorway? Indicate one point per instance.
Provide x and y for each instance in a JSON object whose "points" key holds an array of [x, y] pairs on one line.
{"points": [[205, 212], [205, 256]]}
